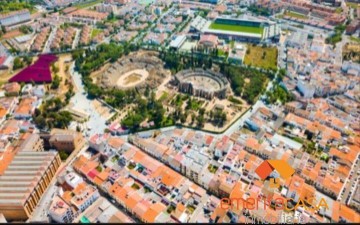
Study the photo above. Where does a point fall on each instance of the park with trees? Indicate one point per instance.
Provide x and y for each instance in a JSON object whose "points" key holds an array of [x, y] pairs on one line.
{"points": [[246, 83]]}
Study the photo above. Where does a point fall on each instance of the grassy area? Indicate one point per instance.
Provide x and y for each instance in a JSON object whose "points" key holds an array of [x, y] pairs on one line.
{"points": [[95, 32], [115, 158], [237, 28], [88, 4], [131, 166], [298, 139], [262, 57], [222, 53], [190, 208], [33, 10], [147, 190], [146, 2], [355, 39], [295, 15], [212, 168], [352, 5], [135, 186], [179, 100], [234, 100], [339, 10], [170, 209], [194, 104], [163, 96], [99, 168]]}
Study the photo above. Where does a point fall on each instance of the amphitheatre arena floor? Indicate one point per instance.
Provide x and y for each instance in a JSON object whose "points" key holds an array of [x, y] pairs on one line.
{"points": [[205, 83], [132, 78]]}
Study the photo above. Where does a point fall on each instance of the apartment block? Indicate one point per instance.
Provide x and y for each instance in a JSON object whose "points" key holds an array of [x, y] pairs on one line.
{"points": [[24, 177], [66, 140], [60, 211], [14, 18]]}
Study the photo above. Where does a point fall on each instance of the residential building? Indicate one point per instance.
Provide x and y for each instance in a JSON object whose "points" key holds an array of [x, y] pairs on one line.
{"points": [[84, 196], [66, 140], [102, 211], [15, 18], [60, 211], [24, 177]]}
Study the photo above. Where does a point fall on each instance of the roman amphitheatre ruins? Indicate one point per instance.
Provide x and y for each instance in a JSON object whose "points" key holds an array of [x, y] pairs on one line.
{"points": [[202, 83], [137, 70], [209, 89]]}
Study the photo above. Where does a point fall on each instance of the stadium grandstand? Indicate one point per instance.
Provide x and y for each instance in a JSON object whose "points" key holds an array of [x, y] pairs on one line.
{"points": [[246, 29]]}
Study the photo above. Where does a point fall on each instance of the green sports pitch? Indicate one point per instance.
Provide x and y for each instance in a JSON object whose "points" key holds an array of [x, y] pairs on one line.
{"points": [[236, 28]]}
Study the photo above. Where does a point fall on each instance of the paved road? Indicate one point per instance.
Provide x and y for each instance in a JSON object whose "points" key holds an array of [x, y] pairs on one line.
{"points": [[41, 211], [350, 183], [96, 123], [76, 39], [49, 40]]}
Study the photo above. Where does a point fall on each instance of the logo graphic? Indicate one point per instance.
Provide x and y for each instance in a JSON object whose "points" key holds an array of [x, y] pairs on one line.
{"points": [[274, 169]]}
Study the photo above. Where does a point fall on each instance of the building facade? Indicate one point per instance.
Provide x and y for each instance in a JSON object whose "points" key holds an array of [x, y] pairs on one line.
{"points": [[24, 177], [15, 18]]}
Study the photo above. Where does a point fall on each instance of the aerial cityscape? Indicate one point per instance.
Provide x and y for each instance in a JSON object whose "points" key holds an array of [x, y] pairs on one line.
{"points": [[180, 111]]}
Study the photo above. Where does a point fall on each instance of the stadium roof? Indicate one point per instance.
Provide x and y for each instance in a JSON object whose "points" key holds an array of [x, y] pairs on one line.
{"points": [[227, 32], [178, 41]]}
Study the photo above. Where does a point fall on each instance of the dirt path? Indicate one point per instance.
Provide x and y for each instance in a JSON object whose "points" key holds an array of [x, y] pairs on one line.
{"points": [[61, 63]]}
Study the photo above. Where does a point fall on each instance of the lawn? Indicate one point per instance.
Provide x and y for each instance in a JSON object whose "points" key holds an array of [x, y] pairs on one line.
{"points": [[190, 209], [146, 2], [295, 15], [212, 168], [352, 5], [339, 10], [95, 32], [194, 104], [164, 96], [261, 57], [131, 166], [135, 186], [234, 100], [88, 4], [355, 39], [237, 28]]}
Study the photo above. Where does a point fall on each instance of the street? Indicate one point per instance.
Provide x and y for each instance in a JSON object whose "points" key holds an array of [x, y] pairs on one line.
{"points": [[349, 186], [96, 123], [49, 40]]}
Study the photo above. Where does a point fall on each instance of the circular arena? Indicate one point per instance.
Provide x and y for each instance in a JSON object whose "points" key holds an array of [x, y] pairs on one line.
{"points": [[202, 83], [132, 78], [137, 70]]}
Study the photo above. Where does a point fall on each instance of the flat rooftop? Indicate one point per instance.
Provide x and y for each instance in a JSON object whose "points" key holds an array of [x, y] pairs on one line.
{"points": [[22, 175]]}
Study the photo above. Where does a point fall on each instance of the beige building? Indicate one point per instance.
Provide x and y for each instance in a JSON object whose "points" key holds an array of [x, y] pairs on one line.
{"points": [[30, 142], [24, 177], [60, 211], [66, 140], [102, 211]]}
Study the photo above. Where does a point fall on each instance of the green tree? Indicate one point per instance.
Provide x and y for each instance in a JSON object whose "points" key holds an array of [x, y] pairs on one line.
{"points": [[56, 82], [63, 155], [18, 64]]}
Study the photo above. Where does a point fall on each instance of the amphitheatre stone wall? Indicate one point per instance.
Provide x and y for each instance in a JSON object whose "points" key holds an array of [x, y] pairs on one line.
{"points": [[137, 70], [202, 83]]}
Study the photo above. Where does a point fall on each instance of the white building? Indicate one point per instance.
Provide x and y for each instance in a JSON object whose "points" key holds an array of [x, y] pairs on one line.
{"points": [[73, 180], [307, 90], [178, 41], [84, 196], [14, 18]]}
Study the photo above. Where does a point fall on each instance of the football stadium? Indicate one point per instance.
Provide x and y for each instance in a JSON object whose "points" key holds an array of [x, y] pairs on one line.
{"points": [[246, 29]]}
